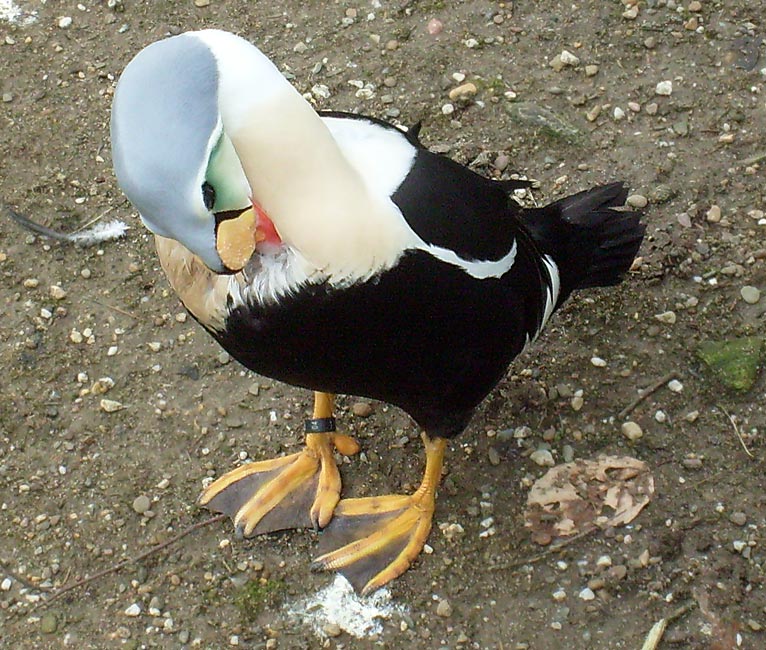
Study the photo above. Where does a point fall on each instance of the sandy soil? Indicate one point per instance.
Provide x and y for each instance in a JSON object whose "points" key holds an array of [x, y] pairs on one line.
{"points": [[70, 472]]}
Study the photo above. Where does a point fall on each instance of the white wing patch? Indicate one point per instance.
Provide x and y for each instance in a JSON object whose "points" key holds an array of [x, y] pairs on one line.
{"points": [[382, 157]]}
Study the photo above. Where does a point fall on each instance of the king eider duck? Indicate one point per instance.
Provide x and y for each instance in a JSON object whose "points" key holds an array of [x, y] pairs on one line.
{"points": [[335, 252]]}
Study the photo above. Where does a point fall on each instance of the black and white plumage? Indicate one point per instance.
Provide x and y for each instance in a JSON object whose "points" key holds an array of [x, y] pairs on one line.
{"points": [[376, 267]]}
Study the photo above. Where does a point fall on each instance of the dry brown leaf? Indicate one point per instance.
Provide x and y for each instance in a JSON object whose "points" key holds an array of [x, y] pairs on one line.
{"points": [[573, 497]]}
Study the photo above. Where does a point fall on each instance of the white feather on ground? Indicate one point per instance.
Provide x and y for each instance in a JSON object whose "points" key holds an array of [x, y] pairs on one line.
{"points": [[101, 232]]}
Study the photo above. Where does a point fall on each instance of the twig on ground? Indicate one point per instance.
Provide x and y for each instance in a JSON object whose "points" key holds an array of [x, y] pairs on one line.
{"points": [[554, 548], [113, 308], [94, 220], [737, 432], [131, 560], [646, 392]]}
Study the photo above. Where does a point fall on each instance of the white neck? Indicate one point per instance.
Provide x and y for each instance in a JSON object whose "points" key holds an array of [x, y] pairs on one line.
{"points": [[319, 203]]}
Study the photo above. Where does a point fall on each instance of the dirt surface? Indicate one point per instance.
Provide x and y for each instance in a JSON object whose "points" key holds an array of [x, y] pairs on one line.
{"points": [[70, 473]]}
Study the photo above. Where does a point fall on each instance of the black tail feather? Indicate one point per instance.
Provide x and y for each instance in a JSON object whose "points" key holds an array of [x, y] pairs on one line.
{"points": [[592, 242]]}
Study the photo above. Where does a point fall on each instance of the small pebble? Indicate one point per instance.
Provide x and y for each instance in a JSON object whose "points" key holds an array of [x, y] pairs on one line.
{"points": [[591, 70], [141, 504], [662, 193], [675, 386], [751, 295], [362, 409], [542, 457], [463, 91], [567, 453], [664, 88], [637, 201], [618, 572], [667, 317], [494, 457], [561, 61], [435, 26], [444, 608], [133, 611], [57, 292], [333, 630], [587, 594], [6, 584], [598, 362], [65, 22], [631, 430], [604, 561], [111, 406], [577, 402], [738, 518], [559, 595], [713, 215]]}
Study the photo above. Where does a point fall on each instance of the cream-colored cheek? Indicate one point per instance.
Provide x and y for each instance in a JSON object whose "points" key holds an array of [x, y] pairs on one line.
{"points": [[236, 240]]}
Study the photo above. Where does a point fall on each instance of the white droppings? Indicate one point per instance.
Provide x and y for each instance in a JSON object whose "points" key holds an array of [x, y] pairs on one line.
{"points": [[337, 604], [11, 13]]}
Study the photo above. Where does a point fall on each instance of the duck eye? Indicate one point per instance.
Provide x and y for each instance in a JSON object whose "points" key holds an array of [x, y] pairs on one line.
{"points": [[208, 195]]}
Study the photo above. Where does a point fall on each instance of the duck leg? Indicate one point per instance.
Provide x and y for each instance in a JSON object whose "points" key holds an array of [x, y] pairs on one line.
{"points": [[373, 540], [295, 491]]}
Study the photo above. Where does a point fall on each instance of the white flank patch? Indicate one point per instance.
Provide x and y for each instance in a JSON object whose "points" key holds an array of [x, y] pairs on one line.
{"points": [[11, 13], [479, 269], [337, 604], [553, 289], [101, 232]]}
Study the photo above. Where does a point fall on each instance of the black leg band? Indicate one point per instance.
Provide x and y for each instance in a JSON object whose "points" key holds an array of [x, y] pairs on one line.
{"points": [[319, 425]]}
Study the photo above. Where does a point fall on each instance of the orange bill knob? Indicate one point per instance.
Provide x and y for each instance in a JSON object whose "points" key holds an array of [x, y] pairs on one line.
{"points": [[236, 239]]}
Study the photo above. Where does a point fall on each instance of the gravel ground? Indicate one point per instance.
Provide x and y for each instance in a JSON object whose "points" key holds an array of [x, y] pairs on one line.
{"points": [[115, 407]]}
